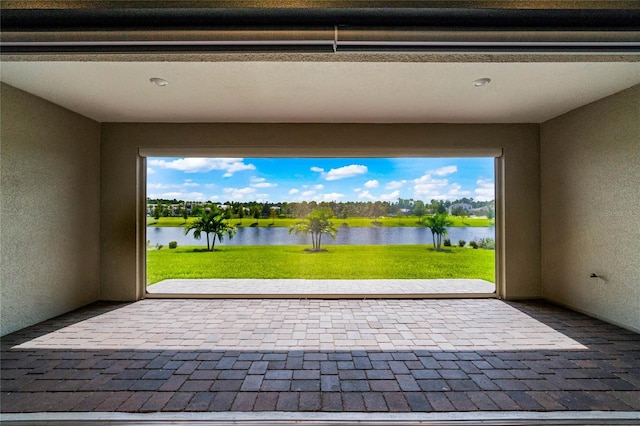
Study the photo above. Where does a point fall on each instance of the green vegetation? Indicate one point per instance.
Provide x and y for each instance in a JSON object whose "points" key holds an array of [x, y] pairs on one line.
{"points": [[271, 262], [438, 224], [485, 243], [317, 223], [210, 223], [407, 221]]}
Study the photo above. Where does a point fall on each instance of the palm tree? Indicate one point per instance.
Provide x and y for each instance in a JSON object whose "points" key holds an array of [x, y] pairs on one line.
{"points": [[317, 223], [438, 224], [211, 223]]}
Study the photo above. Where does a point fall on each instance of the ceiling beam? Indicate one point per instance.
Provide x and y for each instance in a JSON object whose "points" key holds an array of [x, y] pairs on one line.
{"points": [[388, 15], [106, 27]]}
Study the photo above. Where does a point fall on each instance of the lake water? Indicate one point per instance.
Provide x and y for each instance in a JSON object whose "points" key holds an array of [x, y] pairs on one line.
{"points": [[281, 236]]}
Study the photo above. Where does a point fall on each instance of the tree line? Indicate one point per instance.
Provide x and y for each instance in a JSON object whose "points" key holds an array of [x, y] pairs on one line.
{"points": [[342, 210]]}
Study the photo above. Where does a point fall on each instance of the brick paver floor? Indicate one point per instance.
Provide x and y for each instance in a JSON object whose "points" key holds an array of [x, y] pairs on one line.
{"points": [[320, 355]]}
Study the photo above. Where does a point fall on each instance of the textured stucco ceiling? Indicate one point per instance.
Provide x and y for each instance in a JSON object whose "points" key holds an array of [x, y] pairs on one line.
{"points": [[290, 91]]}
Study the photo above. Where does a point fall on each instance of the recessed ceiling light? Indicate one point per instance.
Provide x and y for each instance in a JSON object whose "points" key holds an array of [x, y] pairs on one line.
{"points": [[481, 82], [159, 81]]}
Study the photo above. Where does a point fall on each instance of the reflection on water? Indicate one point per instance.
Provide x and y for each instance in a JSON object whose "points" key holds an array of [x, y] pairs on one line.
{"points": [[281, 236]]}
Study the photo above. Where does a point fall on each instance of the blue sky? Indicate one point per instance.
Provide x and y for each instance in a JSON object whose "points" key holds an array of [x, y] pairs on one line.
{"points": [[319, 179]]}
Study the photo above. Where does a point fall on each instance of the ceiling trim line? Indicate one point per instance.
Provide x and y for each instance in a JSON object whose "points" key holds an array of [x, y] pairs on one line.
{"points": [[327, 40]]}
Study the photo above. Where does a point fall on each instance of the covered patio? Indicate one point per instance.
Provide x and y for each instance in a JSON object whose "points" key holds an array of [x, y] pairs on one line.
{"points": [[246, 360], [551, 90]]}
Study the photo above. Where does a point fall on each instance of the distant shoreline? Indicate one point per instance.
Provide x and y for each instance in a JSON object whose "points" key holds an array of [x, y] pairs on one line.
{"points": [[387, 221]]}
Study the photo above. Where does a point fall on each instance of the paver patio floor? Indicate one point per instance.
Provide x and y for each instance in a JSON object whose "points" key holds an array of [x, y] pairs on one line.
{"points": [[320, 356]]}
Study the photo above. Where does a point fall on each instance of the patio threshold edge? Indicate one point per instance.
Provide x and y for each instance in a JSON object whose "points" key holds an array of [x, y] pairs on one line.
{"points": [[341, 418]]}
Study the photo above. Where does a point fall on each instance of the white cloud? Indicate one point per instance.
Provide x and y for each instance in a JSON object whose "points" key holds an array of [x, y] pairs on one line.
{"points": [[395, 184], [371, 184], [257, 182], [150, 171], [239, 193], [366, 194], [318, 187], [485, 190], [455, 191], [179, 195], [313, 196], [264, 185], [293, 191], [199, 165], [159, 186], [341, 172], [332, 196], [357, 189], [443, 171], [176, 187], [427, 187], [389, 197], [345, 172]]}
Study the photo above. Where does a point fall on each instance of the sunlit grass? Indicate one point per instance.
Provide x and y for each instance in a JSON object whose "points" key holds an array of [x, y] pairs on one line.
{"points": [[338, 262]]}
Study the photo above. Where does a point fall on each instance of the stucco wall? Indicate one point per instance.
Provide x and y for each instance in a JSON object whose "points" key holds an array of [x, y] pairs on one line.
{"points": [[121, 141], [49, 217], [590, 167]]}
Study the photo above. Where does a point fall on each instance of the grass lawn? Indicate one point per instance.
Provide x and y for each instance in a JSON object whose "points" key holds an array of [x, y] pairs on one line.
{"points": [[409, 221], [338, 262]]}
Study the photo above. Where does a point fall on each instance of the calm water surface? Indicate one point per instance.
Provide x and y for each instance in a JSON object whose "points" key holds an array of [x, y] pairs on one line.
{"points": [[281, 236]]}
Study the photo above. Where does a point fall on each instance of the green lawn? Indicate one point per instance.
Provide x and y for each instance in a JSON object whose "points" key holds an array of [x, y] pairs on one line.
{"points": [[409, 221], [338, 262]]}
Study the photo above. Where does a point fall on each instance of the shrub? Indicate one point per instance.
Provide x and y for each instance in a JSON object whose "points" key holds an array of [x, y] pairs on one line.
{"points": [[487, 243], [474, 244], [173, 244], [461, 243], [159, 246], [447, 242]]}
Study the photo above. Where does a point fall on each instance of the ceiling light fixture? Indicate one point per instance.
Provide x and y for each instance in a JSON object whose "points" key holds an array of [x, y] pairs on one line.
{"points": [[159, 81], [481, 82]]}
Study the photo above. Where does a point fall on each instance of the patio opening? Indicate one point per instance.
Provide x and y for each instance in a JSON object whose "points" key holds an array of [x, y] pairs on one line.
{"points": [[320, 227]]}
